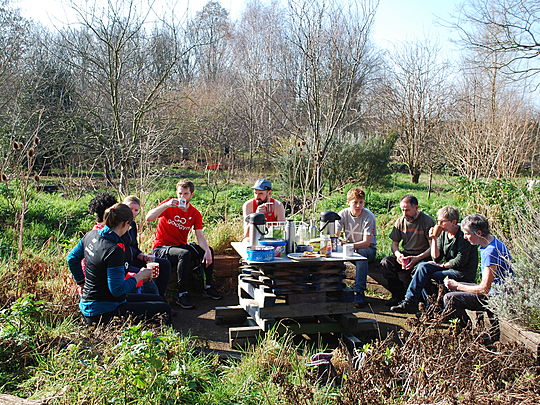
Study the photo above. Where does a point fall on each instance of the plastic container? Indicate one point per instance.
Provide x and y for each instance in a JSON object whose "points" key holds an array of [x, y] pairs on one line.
{"points": [[277, 244], [260, 254]]}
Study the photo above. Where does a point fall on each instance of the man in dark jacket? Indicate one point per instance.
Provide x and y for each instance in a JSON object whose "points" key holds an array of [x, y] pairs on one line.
{"points": [[454, 257]]}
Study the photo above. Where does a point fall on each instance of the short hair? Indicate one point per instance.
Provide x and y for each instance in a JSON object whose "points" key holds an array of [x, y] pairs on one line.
{"points": [[449, 212], [409, 199], [185, 183], [117, 214], [132, 199], [474, 223], [356, 193], [100, 203]]}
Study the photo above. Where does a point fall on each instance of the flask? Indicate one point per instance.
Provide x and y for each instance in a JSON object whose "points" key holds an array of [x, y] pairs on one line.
{"points": [[291, 236]]}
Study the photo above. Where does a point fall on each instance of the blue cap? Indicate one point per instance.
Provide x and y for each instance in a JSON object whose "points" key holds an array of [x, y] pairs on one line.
{"points": [[263, 185]]}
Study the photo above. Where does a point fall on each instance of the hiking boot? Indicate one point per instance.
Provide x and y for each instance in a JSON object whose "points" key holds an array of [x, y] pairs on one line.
{"points": [[392, 301], [185, 302], [211, 292], [405, 307]]}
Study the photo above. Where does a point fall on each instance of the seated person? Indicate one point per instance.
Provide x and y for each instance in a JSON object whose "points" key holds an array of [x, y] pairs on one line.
{"points": [[105, 287], [412, 231], [263, 203], [495, 264], [176, 218], [97, 206], [136, 258], [454, 257], [359, 226]]}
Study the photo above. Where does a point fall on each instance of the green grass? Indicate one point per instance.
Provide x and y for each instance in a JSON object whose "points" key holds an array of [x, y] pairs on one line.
{"points": [[45, 353]]}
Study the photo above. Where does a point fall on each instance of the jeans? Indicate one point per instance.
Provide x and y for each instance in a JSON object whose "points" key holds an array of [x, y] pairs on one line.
{"points": [[397, 278], [425, 272], [362, 271]]}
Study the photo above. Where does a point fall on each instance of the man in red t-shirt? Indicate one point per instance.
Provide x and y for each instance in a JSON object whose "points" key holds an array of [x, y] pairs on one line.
{"points": [[176, 218], [263, 203]]}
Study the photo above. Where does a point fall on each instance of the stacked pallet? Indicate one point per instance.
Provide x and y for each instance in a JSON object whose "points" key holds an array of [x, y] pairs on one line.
{"points": [[272, 292]]}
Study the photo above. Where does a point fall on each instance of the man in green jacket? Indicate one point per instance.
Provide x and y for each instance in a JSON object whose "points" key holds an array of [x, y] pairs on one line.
{"points": [[454, 257]]}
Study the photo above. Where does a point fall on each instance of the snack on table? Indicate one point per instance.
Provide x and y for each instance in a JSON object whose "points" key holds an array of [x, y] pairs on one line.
{"points": [[309, 254]]}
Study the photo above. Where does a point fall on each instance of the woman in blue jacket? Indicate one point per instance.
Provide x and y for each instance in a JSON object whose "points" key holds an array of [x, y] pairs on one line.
{"points": [[105, 290]]}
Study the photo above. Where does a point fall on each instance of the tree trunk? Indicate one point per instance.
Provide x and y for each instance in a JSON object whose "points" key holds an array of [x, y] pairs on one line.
{"points": [[415, 176]]}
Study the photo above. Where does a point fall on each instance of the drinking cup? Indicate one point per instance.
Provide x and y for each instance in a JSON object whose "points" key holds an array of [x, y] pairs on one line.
{"points": [[437, 230], [154, 266], [348, 249], [405, 261], [182, 203]]}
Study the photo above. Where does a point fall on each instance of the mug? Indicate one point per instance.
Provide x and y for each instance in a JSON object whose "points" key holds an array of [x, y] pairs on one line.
{"points": [[348, 249], [154, 267]]}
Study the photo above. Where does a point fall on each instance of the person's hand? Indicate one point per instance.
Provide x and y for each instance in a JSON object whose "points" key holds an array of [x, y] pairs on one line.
{"points": [[451, 284], [143, 275], [149, 258], [207, 259], [399, 257], [79, 289], [173, 202], [262, 209], [413, 260], [430, 232]]}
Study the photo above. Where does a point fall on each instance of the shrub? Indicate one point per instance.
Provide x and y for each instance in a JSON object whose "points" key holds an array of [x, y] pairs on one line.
{"points": [[518, 299]]}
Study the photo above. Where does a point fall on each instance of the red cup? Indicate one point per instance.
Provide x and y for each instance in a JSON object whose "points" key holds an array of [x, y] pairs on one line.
{"points": [[154, 267], [405, 261]]}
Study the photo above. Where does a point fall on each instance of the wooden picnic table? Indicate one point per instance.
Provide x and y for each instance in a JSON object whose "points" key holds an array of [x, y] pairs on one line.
{"points": [[311, 293]]}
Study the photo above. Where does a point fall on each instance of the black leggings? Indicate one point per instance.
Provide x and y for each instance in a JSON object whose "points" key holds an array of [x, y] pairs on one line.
{"points": [[183, 261], [142, 306]]}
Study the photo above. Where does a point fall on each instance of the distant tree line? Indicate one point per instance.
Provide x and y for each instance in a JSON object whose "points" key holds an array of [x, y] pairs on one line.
{"points": [[126, 89]]}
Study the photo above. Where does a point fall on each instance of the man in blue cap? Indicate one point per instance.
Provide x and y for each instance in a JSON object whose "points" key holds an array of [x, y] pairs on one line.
{"points": [[263, 203]]}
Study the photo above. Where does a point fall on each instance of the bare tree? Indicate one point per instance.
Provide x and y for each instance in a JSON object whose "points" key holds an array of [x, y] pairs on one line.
{"points": [[491, 130], [510, 28], [416, 98], [122, 79], [332, 59], [210, 31]]}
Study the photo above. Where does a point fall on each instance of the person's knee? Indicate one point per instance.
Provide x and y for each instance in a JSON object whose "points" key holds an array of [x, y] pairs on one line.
{"points": [[388, 267]]}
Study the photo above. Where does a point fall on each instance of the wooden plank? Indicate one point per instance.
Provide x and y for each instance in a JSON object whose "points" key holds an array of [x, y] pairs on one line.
{"points": [[355, 325], [230, 315], [296, 310], [263, 297], [310, 328], [512, 333], [243, 336], [313, 297], [251, 307]]}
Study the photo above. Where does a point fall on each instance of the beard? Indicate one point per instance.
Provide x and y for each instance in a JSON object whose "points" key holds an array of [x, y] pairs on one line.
{"points": [[261, 201]]}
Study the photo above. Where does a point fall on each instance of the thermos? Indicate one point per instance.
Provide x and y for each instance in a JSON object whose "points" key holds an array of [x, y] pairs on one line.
{"points": [[291, 236], [328, 222], [257, 227]]}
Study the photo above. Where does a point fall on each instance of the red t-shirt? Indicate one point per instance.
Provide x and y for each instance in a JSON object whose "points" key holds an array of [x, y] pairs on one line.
{"points": [[270, 216], [174, 225]]}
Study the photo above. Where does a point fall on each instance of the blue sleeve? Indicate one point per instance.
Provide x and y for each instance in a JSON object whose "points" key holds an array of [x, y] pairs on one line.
{"points": [[115, 280], [74, 262]]}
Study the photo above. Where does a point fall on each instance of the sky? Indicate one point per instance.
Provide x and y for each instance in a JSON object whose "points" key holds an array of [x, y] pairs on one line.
{"points": [[395, 21]]}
